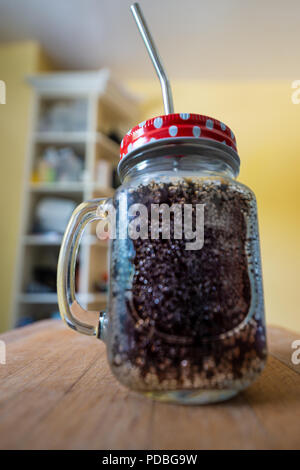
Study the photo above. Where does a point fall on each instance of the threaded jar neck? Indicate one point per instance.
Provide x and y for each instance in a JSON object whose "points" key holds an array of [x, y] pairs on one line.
{"points": [[189, 158]]}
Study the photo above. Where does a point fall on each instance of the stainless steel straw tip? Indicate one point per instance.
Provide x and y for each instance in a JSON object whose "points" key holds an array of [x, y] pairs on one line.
{"points": [[154, 56]]}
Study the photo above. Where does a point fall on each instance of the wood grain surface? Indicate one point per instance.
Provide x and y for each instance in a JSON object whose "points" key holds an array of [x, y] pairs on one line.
{"points": [[57, 392]]}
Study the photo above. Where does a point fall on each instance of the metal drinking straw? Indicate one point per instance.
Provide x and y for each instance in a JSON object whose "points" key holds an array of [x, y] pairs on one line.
{"points": [[154, 56]]}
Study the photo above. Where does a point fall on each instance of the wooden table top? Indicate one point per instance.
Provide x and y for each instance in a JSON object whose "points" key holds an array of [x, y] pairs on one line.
{"points": [[57, 392]]}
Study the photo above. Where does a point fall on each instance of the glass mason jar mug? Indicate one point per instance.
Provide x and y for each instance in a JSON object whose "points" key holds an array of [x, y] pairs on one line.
{"points": [[185, 314]]}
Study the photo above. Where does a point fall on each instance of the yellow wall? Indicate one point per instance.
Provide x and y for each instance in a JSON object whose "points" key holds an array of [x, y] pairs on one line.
{"points": [[16, 61], [266, 124]]}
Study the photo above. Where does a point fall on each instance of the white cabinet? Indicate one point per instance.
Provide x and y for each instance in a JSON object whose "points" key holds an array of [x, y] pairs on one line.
{"points": [[77, 119]]}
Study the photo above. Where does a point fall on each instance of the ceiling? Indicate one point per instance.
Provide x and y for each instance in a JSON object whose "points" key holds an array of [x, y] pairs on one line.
{"points": [[196, 38]]}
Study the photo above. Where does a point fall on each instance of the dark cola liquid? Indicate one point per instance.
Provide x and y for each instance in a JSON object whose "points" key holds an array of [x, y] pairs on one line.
{"points": [[182, 318]]}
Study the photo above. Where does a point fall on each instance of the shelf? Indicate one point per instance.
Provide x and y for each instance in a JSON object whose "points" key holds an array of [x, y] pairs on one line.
{"points": [[76, 187], [52, 137], [65, 187], [94, 297], [42, 239], [51, 298], [43, 298], [56, 239]]}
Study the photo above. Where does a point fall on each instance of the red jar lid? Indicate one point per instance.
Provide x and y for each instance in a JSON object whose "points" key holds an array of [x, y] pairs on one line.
{"points": [[176, 126]]}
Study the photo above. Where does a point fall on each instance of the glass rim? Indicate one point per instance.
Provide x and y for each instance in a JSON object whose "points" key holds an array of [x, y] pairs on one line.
{"points": [[180, 145]]}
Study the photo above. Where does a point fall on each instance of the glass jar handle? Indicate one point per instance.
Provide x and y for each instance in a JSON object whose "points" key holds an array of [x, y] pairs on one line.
{"points": [[85, 213]]}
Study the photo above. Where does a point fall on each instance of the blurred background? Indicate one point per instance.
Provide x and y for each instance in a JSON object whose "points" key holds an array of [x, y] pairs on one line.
{"points": [[77, 77]]}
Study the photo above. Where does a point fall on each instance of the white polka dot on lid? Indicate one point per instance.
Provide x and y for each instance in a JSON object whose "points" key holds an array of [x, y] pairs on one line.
{"points": [[184, 116], [173, 130], [209, 124], [232, 135], [153, 139], [223, 127], [158, 122], [196, 131], [129, 148], [141, 124]]}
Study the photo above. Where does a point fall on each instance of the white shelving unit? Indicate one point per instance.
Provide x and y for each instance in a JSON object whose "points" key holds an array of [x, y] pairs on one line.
{"points": [[106, 107]]}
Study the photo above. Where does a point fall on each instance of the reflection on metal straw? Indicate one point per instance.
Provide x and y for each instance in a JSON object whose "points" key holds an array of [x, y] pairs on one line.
{"points": [[156, 60]]}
